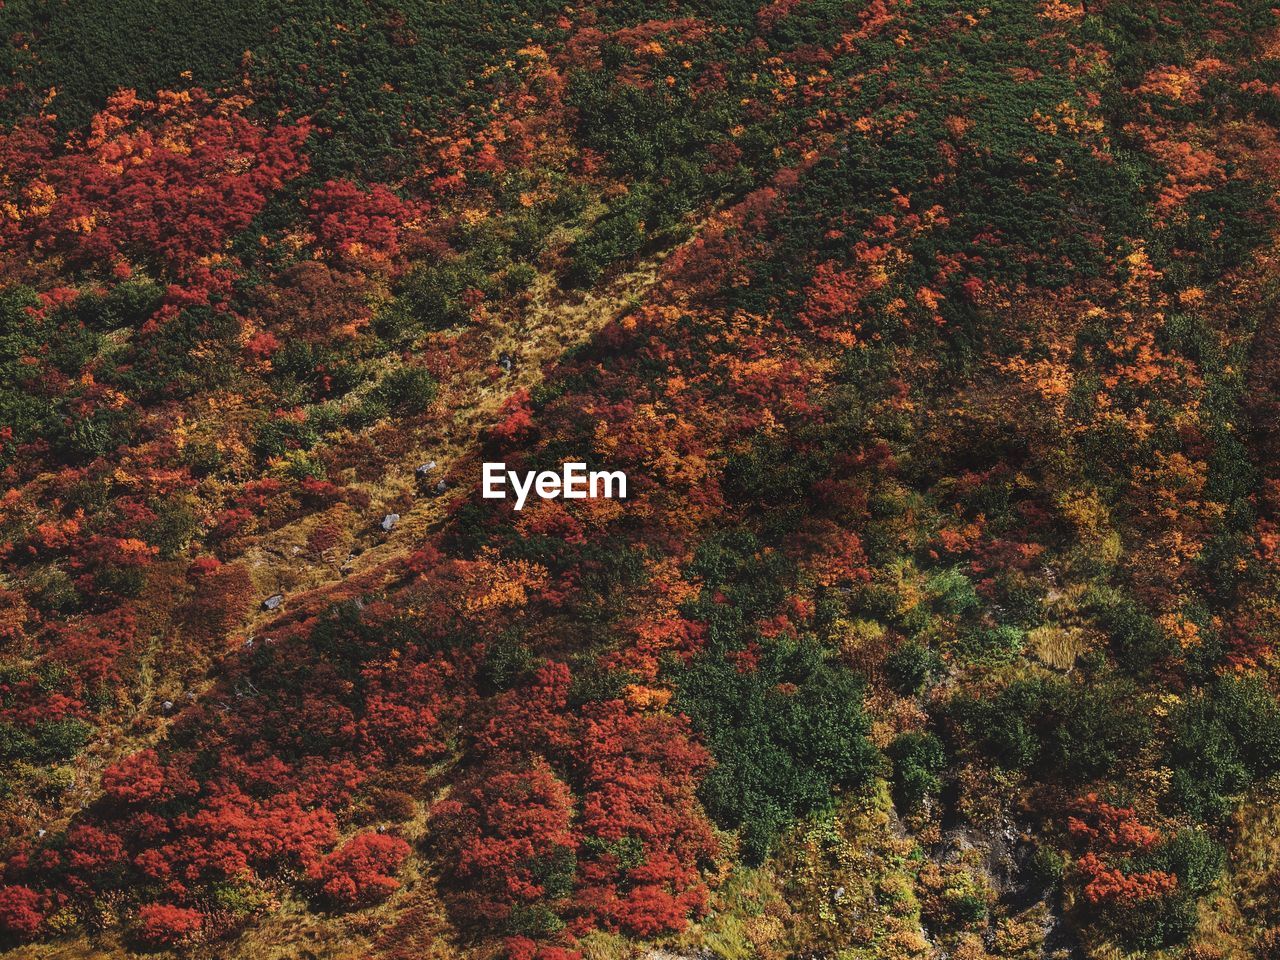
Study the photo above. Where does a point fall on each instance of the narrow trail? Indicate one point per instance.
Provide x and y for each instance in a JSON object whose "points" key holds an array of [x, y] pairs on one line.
{"points": [[413, 923], [537, 338]]}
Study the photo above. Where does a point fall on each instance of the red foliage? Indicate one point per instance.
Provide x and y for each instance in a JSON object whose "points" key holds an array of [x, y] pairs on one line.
{"points": [[608, 796], [1113, 828], [356, 222], [362, 869], [1109, 886], [516, 426], [522, 948], [20, 911], [639, 775], [164, 925], [142, 779], [1117, 833], [174, 176], [506, 825]]}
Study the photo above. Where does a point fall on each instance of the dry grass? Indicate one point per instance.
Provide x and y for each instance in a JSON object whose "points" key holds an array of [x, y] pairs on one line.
{"points": [[1057, 647]]}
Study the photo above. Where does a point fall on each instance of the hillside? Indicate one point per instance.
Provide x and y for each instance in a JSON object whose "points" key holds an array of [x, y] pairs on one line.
{"points": [[939, 346]]}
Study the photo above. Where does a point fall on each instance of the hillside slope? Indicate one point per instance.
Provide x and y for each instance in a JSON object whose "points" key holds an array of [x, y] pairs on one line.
{"points": [[938, 345]]}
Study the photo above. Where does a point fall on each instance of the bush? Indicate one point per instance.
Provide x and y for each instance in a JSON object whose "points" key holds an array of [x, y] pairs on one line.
{"points": [[1194, 858], [361, 869], [48, 741], [783, 735], [164, 925], [918, 763], [20, 911], [435, 297], [1053, 729], [407, 390], [1045, 869], [1224, 739], [911, 667]]}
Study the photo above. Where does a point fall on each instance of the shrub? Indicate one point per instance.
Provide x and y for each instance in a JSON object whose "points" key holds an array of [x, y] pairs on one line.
{"points": [[20, 911], [1052, 728], [918, 763], [361, 870], [164, 925], [911, 667], [1223, 740], [407, 390], [783, 735]]}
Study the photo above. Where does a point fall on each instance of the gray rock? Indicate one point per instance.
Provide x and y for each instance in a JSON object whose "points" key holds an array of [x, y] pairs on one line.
{"points": [[167, 706], [390, 520], [425, 469], [273, 602]]}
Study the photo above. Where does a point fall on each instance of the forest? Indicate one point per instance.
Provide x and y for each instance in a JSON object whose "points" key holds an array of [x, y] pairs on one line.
{"points": [[939, 346]]}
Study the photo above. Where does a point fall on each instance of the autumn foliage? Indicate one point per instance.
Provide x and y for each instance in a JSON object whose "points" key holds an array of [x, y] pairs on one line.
{"points": [[938, 346]]}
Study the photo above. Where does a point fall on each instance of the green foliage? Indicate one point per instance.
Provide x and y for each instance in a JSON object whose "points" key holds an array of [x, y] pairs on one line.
{"points": [[752, 579], [1054, 729], [278, 435], [194, 351], [433, 297], [53, 589], [770, 474], [1224, 739], [407, 390], [996, 645], [1045, 869], [100, 433], [320, 367], [47, 742], [919, 761], [1194, 858], [783, 735], [125, 306], [175, 525], [912, 666], [506, 662], [1137, 640]]}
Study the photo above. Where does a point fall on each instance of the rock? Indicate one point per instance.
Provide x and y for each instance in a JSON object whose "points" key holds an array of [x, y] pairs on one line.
{"points": [[440, 487], [425, 469], [273, 602], [167, 706], [390, 520], [506, 362]]}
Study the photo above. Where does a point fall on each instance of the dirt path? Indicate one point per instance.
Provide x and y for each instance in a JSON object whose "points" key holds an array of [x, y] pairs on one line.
{"points": [[473, 399]]}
